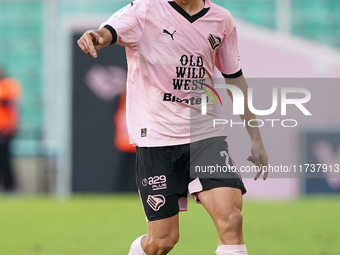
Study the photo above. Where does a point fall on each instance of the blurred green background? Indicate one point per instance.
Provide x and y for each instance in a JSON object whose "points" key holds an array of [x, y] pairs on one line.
{"points": [[107, 225]]}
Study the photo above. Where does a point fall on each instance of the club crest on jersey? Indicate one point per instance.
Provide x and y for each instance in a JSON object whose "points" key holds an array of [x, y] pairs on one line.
{"points": [[143, 132], [155, 202], [214, 41]]}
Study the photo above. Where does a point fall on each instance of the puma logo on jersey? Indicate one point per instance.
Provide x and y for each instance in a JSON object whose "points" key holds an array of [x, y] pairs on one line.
{"points": [[167, 32], [214, 41]]}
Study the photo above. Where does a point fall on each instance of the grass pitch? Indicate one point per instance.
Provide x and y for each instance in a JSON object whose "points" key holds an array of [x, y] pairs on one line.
{"points": [[107, 224]]}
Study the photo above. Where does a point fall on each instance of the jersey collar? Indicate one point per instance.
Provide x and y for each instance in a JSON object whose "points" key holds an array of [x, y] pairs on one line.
{"points": [[192, 18]]}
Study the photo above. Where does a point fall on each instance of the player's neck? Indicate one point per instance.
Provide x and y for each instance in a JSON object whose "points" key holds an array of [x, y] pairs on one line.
{"points": [[191, 6]]}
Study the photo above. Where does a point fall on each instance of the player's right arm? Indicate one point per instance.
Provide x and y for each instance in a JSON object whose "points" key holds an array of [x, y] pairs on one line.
{"points": [[125, 27], [94, 40]]}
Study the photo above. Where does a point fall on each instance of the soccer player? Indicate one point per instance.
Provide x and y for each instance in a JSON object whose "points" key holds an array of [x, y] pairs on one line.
{"points": [[172, 48]]}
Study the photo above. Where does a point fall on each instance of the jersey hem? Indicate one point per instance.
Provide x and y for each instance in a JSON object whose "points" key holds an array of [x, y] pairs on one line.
{"points": [[182, 142]]}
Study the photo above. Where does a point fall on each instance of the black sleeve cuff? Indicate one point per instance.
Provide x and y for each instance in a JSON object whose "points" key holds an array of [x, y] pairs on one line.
{"points": [[113, 33], [232, 76]]}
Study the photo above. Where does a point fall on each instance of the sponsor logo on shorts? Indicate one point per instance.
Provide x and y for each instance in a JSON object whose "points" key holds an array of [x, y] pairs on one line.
{"points": [[156, 182], [145, 182], [155, 201]]}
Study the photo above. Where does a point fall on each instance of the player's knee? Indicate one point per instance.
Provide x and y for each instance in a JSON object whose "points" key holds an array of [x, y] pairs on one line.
{"points": [[169, 242], [232, 223], [164, 245]]}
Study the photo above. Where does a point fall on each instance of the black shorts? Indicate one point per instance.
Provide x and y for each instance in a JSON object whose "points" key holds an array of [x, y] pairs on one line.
{"points": [[165, 175]]}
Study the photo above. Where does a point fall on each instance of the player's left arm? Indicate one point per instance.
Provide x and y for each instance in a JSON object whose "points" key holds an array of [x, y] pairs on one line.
{"points": [[259, 156]]}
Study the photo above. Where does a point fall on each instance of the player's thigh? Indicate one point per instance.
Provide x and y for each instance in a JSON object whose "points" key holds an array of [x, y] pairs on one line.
{"points": [[224, 204], [164, 229], [162, 235], [219, 191], [221, 201]]}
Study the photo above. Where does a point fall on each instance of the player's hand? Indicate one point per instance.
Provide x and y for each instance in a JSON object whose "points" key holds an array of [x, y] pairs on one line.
{"points": [[89, 41], [259, 158]]}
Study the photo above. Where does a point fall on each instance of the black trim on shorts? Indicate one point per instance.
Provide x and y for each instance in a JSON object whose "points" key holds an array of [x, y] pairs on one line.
{"points": [[209, 185], [233, 76], [162, 217], [113, 33]]}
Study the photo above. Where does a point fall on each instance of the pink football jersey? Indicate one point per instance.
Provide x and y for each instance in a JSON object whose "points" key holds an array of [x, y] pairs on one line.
{"points": [[171, 56]]}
